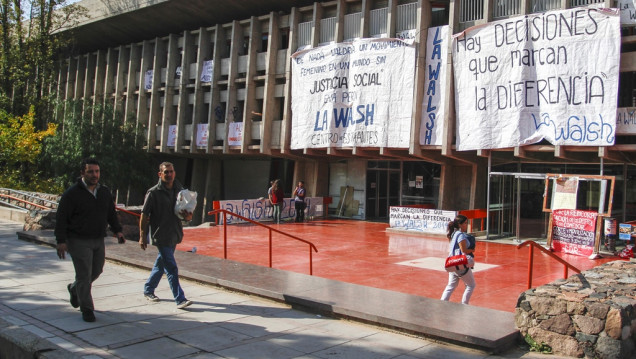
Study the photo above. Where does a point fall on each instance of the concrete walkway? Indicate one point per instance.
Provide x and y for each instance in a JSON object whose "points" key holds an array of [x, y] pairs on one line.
{"points": [[35, 316]]}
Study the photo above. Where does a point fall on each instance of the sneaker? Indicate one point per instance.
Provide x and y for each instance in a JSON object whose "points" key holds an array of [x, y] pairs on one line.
{"points": [[184, 303], [74, 301], [88, 316], [151, 297]]}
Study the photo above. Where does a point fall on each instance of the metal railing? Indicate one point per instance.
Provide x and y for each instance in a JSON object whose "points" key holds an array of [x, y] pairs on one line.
{"points": [[270, 229], [26, 198], [532, 245]]}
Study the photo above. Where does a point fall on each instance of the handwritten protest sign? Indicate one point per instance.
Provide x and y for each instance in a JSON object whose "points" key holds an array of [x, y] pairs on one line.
{"points": [[420, 219], [433, 110], [357, 93], [202, 134], [534, 77], [261, 210], [628, 11], [626, 121], [573, 231]]}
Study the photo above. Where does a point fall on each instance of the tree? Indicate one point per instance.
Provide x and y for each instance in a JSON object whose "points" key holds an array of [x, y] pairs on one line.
{"points": [[99, 131], [30, 46], [21, 147]]}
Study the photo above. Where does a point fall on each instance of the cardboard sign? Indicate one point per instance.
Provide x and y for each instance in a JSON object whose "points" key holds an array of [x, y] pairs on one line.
{"points": [[573, 231]]}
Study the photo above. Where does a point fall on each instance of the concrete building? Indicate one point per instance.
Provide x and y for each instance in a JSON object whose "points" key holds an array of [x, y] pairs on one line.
{"points": [[175, 65]]}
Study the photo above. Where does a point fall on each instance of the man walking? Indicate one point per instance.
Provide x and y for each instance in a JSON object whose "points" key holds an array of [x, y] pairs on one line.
{"points": [[166, 231], [82, 215]]}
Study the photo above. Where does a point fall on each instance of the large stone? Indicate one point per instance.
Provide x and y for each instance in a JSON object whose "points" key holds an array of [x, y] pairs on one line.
{"points": [[608, 348], [588, 325], [598, 310], [576, 308], [614, 324], [561, 324], [39, 220], [547, 306], [560, 344]]}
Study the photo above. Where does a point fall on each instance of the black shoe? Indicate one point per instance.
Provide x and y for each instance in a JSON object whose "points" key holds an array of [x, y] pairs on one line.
{"points": [[88, 316], [74, 300]]}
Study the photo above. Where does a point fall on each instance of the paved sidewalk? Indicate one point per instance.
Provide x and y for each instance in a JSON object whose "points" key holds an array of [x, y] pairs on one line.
{"points": [[35, 315]]}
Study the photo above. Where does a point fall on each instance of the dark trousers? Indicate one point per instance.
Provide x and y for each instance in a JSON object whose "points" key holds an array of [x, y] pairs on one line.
{"points": [[88, 257], [300, 211]]}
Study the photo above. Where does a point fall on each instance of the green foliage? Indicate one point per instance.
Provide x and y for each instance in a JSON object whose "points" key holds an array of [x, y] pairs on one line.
{"points": [[21, 147], [30, 47], [98, 131], [536, 347]]}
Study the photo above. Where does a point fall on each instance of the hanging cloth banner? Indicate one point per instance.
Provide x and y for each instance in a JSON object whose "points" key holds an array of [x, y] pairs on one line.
{"points": [[551, 75], [356, 93], [433, 110], [628, 12]]}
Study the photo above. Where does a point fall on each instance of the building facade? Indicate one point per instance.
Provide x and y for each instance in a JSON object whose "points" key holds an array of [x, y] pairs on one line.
{"points": [[211, 84]]}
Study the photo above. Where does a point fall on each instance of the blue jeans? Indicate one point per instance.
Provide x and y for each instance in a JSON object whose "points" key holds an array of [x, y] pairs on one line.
{"points": [[165, 263], [277, 207]]}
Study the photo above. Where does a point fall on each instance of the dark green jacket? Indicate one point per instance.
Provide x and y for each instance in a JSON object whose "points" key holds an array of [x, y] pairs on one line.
{"points": [[166, 228]]}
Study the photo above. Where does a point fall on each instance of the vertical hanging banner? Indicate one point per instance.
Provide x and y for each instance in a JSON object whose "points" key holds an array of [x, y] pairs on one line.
{"points": [[353, 94], [202, 134], [172, 135], [148, 79], [628, 12], [573, 231], [207, 71], [551, 76], [433, 111], [235, 134]]}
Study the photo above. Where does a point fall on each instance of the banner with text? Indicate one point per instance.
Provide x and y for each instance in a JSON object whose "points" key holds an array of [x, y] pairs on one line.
{"points": [[433, 111], [420, 219], [626, 121], [573, 231], [628, 12], [540, 76], [261, 210], [358, 93], [202, 134]]}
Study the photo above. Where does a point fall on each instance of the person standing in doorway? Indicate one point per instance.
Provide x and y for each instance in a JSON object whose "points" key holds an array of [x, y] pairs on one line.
{"points": [[299, 201], [276, 197], [165, 230], [460, 243], [84, 211]]}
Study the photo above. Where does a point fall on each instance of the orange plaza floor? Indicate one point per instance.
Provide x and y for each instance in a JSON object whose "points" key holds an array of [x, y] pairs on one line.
{"points": [[365, 253]]}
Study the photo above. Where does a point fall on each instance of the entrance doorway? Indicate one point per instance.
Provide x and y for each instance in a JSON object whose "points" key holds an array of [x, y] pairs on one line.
{"points": [[516, 206], [382, 189]]}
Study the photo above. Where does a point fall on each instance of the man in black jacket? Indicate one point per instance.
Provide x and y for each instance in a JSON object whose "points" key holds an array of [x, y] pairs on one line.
{"points": [[82, 215]]}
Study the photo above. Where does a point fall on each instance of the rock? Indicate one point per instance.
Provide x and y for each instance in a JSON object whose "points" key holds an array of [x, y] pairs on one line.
{"points": [[546, 305], [561, 324], [614, 324], [598, 310], [588, 325], [39, 220], [560, 344]]}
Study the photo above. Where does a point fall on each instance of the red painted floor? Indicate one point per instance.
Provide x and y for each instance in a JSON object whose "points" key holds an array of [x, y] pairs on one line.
{"points": [[364, 253]]}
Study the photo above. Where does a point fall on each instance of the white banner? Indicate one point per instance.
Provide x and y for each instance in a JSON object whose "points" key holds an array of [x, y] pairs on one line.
{"points": [[550, 76], [433, 111], [420, 219], [261, 210], [172, 135], [628, 12], [207, 71], [148, 79], [407, 36], [626, 121], [235, 134], [353, 94], [202, 135]]}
